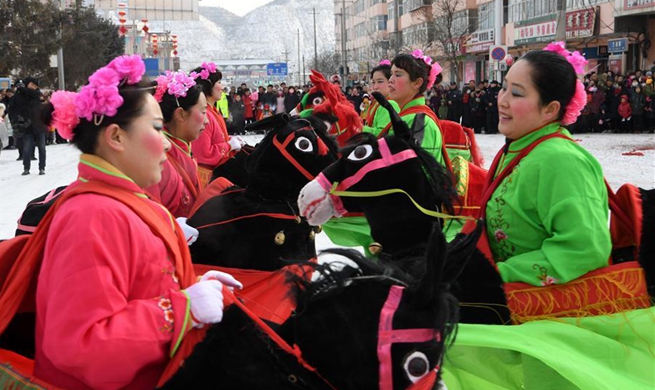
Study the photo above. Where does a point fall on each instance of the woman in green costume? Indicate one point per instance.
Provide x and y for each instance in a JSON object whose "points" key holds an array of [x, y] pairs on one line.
{"points": [[547, 225], [547, 218], [376, 119]]}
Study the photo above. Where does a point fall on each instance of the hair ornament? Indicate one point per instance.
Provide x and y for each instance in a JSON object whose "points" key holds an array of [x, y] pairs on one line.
{"points": [[579, 99], [100, 96], [63, 117], [435, 68], [174, 83], [207, 69], [385, 63]]}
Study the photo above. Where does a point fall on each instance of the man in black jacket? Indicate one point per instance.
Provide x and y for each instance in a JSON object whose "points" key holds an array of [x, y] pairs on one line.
{"points": [[24, 118]]}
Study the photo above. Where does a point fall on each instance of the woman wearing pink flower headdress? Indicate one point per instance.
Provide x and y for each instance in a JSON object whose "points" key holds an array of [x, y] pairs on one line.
{"points": [[115, 288], [546, 217], [214, 146], [411, 75], [375, 120], [184, 107]]}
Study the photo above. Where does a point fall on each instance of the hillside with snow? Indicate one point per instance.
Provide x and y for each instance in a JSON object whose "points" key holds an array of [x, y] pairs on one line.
{"points": [[266, 32]]}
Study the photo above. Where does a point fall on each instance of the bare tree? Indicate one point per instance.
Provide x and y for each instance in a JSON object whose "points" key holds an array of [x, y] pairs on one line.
{"points": [[422, 34], [452, 24], [329, 62]]}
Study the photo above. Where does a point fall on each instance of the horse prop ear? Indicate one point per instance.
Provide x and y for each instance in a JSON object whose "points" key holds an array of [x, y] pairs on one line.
{"points": [[400, 128], [272, 122], [435, 258]]}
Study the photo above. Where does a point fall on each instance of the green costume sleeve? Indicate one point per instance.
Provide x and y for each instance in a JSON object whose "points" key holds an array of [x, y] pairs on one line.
{"points": [[432, 140], [381, 119]]}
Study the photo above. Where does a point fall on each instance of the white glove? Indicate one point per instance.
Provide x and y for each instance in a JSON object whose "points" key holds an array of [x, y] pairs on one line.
{"points": [[222, 277], [241, 140], [206, 299], [190, 233], [235, 144]]}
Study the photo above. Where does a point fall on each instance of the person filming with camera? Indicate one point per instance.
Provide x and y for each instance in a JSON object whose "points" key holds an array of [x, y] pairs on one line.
{"points": [[22, 113]]}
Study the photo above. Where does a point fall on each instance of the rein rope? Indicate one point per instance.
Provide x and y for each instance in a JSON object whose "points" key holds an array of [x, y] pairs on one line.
{"points": [[374, 194]]}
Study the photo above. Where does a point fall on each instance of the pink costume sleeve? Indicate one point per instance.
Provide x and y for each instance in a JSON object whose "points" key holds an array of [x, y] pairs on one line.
{"points": [[108, 307], [211, 148]]}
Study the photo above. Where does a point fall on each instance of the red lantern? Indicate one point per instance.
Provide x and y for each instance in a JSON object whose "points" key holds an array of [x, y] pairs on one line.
{"points": [[122, 30], [175, 52], [155, 52], [509, 60], [145, 26]]}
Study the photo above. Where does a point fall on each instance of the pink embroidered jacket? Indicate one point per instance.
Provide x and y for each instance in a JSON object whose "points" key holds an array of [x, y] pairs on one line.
{"points": [[109, 309], [211, 149], [179, 186]]}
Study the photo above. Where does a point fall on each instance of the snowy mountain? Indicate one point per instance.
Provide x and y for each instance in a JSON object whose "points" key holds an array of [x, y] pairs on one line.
{"points": [[266, 32]]}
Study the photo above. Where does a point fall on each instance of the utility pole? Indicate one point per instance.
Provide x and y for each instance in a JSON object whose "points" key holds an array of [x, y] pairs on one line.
{"points": [[60, 53], [315, 49], [303, 71], [299, 58], [560, 30], [344, 53], [498, 39], [396, 33]]}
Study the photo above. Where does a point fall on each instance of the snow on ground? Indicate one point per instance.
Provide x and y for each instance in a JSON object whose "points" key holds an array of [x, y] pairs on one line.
{"points": [[61, 168]]}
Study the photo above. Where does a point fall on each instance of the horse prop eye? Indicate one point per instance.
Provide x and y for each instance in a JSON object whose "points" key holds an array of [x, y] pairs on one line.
{"points": [[416, 366], [360, 153], [317, 101], [304, 145]]}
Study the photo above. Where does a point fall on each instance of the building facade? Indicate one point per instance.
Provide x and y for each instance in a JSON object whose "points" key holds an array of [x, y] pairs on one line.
{"points": [[613, 35]]}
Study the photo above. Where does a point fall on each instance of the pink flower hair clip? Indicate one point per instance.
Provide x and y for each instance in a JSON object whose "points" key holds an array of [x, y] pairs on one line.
{"points": [[385, 63], [174, 83], [579, 100], [100, 96], [435, 68], [207, 69], [63, 117]]}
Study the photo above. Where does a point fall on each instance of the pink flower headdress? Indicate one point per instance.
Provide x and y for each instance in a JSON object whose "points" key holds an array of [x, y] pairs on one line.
{"points": [[579, 100], [435, 68], [100, 96], [174, 83], [385, 62], [63, 117], [207, 69]]}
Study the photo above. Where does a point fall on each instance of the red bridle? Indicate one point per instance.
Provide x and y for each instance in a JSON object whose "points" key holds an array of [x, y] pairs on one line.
{"points": [[282, 147]]}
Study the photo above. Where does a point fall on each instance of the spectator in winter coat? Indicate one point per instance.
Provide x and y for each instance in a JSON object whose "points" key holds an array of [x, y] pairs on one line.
{"points": [[466, 108], [237, 109], [291, 100], [454, 98], [595, 106], [478, 108], [279, 102], [248, 107], [637, 103], [625, 112], [23, 115]]}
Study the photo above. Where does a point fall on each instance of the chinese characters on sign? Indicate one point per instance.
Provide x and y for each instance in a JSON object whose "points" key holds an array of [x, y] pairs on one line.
{"points": [[581, 23], [480, 41], [629, 4]]}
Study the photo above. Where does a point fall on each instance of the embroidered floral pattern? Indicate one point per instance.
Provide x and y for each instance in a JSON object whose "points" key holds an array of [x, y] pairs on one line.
{"points": [[170, 272], [167, 307], [546, 280], [503, 248]]}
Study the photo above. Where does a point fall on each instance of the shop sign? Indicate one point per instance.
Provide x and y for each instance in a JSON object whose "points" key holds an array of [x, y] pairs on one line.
{"points": [[535, 30], [581, 23], [617, 45], [480, 41], [634, 4]]}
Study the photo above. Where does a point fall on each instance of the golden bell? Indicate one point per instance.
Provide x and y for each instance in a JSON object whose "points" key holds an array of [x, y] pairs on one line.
{"points": [[298, 219], [312, 235], [375, 248], [280, 237], [318, 228]]}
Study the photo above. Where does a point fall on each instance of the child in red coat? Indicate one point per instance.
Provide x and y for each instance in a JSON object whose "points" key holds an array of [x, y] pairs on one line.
{"points": [[625, 111]]}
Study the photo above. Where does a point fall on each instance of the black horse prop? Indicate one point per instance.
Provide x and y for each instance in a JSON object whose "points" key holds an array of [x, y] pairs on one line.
{"points": [[365, 327], [400, 228], [259, 227]]}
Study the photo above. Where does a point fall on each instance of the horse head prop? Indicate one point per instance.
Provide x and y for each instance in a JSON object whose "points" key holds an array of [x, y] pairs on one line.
{"points": [[259, 227], [364, 327], [326, 101], [402, 191]]}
